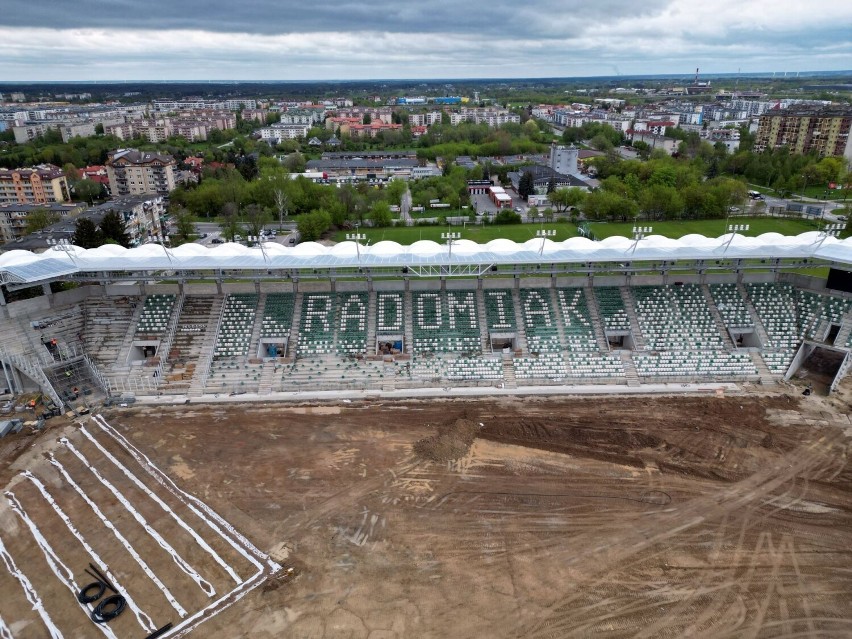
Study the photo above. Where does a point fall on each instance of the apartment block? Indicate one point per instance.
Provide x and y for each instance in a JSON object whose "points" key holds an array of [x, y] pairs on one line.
{"points": [[42, 184], [132, 172], [806, 129]]}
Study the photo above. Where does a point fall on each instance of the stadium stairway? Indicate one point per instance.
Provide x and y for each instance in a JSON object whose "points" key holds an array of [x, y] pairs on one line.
{"points": [[595, 315], [559, 320], [717, 317], [120, 361], [483, 322], [371, 322], [509, 379], [844, 337], [408, 347], [762, 335], [254, 339], [293, 339], [763, 372], [106, 322], [630, 372], [521, 333], [639, 343]]}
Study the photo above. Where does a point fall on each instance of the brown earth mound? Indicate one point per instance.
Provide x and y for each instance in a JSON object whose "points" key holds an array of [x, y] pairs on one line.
{"points": [[452, 441]]}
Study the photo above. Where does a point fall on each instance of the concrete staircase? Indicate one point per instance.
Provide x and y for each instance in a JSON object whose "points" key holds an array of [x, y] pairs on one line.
{"points": [[207, 346], [763, 372], [630, 373], [120, 361], [842, 338], [558, 318], [758, 325], [509, 379], [717, 318], [630, 306], [409, 323], [268, 374], [521, 335], [595, 316], [372, 322], [483, 322], [293, 339], [254, 340]]}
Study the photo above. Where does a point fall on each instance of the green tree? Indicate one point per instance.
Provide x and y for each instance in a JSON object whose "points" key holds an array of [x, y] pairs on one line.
{"points": [[255, 219], [184, 227], [99, 128], [526, 185], [87, 190], [312, 225], [564, 199], [229, 221], [86, 234], [112, 227], [367, 119], [380, 214], [40, 218]]}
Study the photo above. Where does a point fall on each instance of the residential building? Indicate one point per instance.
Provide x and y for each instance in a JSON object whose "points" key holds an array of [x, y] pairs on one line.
{"points": [[143, 215], [14, 217], [805, 129], [563, 159], [425, 119], [278, 132], [490, 116], [42, 184], [132, 172]]}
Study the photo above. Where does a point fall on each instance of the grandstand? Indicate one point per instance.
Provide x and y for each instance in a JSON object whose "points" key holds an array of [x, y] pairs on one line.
{"points": [[495, 321]]}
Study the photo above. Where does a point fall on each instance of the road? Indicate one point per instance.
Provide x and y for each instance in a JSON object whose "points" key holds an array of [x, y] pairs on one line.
{"points": [[405, 208]]}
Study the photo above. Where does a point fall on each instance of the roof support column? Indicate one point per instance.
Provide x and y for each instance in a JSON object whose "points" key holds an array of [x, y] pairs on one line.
{"points": [[2, 297], [45, 288]]}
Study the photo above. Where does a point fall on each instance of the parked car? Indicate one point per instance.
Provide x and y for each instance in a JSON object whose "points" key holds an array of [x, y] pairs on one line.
{"points": [[217, 240]]}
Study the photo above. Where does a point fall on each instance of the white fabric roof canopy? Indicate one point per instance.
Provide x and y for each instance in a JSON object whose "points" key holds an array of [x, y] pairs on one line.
{"points": [[31, 267]]}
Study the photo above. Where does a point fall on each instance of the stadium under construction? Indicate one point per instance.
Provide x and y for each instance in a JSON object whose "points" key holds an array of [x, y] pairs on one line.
{"points": [[271, 320]]}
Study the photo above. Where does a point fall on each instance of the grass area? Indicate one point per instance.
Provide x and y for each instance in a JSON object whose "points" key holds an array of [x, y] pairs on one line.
{"points": [[476, 233], [710, 228]]}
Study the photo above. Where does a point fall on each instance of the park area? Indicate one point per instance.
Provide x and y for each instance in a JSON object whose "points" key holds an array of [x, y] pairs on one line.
{"points": [[537, 517]]}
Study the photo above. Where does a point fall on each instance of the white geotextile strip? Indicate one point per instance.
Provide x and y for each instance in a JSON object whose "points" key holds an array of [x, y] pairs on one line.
{"points": [[162, 543], [143, 619], [29, 592], [121, 539], [141, 486], [54, 562]]}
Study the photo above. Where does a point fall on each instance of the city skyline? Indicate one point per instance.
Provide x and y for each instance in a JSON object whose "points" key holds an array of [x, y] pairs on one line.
{"points": [[89, 41]]}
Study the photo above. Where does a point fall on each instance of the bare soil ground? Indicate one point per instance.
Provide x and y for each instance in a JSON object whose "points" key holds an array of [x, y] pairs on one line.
{"points": [[534, 517]]}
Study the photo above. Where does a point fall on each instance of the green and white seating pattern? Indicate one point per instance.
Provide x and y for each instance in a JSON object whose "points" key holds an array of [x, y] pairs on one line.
{"points": [[814, 309], [352, 323], [236, 326], [731, 306], [316, 324], [776, 307], [676, 318], [550, 366], [778, 361], [390, 312], [499, 310], [576, 320], [155, 314], [445, 322], [594, 365], [612, 309], [539, 321], [694, 364], [277, 315], [474, 369]]}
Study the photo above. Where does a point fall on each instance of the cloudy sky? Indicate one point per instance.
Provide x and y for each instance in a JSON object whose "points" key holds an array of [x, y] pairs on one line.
{"points": [[348, 39]]}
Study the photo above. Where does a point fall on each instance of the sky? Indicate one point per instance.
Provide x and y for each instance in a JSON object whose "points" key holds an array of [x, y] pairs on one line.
{"points": [[102, 40]]}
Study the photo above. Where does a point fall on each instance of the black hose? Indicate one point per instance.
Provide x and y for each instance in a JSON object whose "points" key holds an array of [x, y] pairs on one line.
{"points": [[84, 598], [109, 608], [160, 632]]}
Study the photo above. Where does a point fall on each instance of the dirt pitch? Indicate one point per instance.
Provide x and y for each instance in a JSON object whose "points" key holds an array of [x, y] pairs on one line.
{"points": [[534, 517]]}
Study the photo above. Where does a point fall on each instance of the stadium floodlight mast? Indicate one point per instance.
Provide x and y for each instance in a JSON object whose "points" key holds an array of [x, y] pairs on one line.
{"points": [[733, 229], [829, 230], [357, 238], [450, 237], [544, 234], [639, 233], [258, 239], [64, 245]]}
